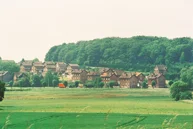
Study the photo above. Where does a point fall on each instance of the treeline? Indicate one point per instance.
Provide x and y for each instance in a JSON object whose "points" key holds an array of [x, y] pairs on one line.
{"points": [[139, 53], [10, 66]]}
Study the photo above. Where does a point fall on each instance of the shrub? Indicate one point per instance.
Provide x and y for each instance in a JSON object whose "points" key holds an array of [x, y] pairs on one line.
{"points": [[185, 95], [2, 90], [176, 89], [144, 84], [89, 84], [170, 82], [71, 85]]}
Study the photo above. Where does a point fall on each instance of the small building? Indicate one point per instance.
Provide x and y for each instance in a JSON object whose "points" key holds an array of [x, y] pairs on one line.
{"points": [[128, 80], [37, 68], [26, 67], [72, 67], [92, 75], [61, 67], [159, 79], [47, 68], [6, 76], [160, 69], [75, 75]]}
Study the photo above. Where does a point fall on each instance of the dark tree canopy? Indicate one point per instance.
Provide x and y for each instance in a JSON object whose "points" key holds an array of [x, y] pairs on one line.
{"points": [[2, 90], [139, 53]]}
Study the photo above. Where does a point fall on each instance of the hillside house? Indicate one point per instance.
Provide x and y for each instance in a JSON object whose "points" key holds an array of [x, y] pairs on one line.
{"points": [[83, 76], [18, 76], [128, 80], [92, 75], [75, 75], [160, 69], [37, 68], [61, 67], [6, 76], [72, 67], [26, 67], [47, 68], [159, 79]]}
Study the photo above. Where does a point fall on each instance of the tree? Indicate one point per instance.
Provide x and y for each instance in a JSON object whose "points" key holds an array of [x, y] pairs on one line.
{"points": [[54, 82], [2, 90], [153, 83], [36, 60], [144, 84], [101, 84], [49, 78], [36, 80], [111, 84], [182, 58], [179, 90], [65, 83], [170, 82], [76, 83]]}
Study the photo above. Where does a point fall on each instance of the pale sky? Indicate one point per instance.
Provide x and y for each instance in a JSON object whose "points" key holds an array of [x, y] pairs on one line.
{"points": [[29, 28]]}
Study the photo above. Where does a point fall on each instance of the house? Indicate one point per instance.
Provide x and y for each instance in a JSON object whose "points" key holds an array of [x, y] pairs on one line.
{"points": [[26, 67], [47, 68], [128, 80], [159, 79], [49, 63], [37, 68], [160, 69], [18, 76], [105, 78], [6, 76], [61, 67], [72, 67], [75, 75], [83, 76], [140, 76], [92, 75]]}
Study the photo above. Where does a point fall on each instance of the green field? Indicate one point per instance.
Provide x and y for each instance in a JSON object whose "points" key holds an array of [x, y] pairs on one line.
{"points": [[54, 108]]}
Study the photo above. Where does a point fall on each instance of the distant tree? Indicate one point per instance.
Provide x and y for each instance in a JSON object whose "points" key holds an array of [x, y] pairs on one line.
{"points": [[54, 82], [2, 90], [144, 84], [179, 90], [76, 83], [89, 84], [153, 83], [182, 58], [9, 66], [36, 80], [97, 82], [187, 76], [0, 58], [101, 84], [65, 83], [43, 82], [36, 60], [111, 84], [170, 82], [49, 78]]}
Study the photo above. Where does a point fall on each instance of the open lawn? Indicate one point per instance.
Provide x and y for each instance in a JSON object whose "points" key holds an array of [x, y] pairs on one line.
{"points": [[54, 108]]}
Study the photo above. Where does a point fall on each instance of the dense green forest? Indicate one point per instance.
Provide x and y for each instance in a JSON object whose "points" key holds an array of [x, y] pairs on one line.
{"points": [[139, 53]]}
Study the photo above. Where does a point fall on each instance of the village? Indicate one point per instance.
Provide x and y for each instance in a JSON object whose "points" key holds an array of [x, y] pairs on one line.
{"points": [[72, 73]]}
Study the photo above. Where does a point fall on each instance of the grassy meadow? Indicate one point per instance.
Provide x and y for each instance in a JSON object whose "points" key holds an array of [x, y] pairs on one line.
{"points": [[55, 108]]}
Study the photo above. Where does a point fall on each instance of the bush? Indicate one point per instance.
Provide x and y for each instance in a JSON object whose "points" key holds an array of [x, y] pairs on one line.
{"points": [[177, 89], [144, 84], [71, 85], [89, 84], [170, 82], [185, 95], [2, 90]]}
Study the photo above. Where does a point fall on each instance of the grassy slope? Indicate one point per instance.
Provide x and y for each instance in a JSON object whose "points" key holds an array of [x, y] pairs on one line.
{"points": [[93, 108]]}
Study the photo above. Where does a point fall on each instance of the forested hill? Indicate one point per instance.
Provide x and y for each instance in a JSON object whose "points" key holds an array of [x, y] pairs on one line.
{"points": [[135, 53]]}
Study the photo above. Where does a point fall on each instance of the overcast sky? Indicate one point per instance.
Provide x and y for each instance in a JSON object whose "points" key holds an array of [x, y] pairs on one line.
{"points": [[29, 28]]}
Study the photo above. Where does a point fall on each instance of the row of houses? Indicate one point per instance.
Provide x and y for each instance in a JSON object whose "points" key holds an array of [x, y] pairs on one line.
{"points": [[124, 79], [42, 67], [74, 73]]}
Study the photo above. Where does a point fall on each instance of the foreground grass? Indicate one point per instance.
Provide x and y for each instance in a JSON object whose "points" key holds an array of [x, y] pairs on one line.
{"points": [[93, 108]]}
